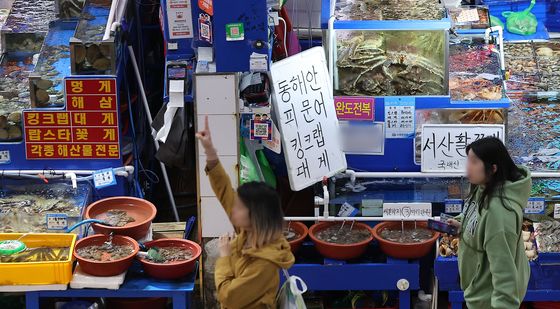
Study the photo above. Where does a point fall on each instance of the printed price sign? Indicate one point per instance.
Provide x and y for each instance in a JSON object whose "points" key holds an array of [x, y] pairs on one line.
{"points": [[453, 206], [179, 19], [399, 117], [87, 129], [347, 210], [104, 178], [556, 211], [5, 157], [306, 114], [407, 210], [57, 221], [535, 205], [444, 146], [354, 108]]}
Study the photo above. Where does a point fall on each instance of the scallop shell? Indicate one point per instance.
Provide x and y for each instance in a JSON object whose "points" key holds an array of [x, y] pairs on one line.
{"points": [[92, 53]]}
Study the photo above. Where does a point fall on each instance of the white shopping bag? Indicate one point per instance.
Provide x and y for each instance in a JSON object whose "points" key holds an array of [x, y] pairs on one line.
{"points": [[290, 295]]}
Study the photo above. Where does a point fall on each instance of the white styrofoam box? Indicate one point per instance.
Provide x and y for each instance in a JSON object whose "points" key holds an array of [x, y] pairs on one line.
{"points": [[224, 133], [215, 221], [216, 94], [230, 165]]}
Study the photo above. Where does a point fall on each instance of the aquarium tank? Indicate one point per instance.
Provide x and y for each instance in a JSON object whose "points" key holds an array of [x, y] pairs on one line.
{"points": [[387, 48]]}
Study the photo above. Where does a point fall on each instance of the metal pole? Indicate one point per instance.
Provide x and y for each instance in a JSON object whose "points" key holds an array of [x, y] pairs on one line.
{"points": [[156, 143]]}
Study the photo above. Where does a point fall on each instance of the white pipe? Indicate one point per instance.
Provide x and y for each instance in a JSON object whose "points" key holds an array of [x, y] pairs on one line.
{"points": [[500, 42], [326, 201], [49, 172], [110, 19], [362, 219], [354, 175], [156, 142], [114, 27], [73, 179]]}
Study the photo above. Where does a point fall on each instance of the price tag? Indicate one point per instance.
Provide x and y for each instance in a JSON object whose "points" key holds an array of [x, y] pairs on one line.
{"points": [[556, 211], [535, 205], [5, 157], [453, 206], [104, 178], [57, 221], [347, 210]]}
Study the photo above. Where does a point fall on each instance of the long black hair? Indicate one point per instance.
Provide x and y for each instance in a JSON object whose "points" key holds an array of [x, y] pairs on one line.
{"points": [[492, 151], [265, 212]]}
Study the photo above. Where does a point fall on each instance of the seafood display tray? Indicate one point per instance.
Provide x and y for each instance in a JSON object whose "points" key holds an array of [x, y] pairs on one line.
{"points": [[39, 273], [534, 67], [24, 208], [475, 73], [544, 276], [30, 16]]}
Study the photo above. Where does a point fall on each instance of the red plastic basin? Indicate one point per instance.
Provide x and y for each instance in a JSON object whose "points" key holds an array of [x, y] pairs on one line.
{"points": [[339, 251], [106, 268], [141, 210], [171, 270], [301, 229], [400, 250]]}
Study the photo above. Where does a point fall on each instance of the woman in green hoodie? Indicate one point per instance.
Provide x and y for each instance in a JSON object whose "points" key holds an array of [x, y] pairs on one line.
{"points": [[492, 263]]}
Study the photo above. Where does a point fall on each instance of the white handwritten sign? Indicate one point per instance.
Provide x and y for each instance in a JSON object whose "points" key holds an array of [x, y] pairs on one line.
{"points": [[444, 145], [304, 106], [556, 211], [407, 210]]}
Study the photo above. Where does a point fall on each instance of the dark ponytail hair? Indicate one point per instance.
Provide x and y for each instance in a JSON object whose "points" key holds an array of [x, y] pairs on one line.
{"points": [[492, 151]]}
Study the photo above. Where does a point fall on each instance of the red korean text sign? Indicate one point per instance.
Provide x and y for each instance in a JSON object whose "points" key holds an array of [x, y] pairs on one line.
{"points": [[87, 129]]}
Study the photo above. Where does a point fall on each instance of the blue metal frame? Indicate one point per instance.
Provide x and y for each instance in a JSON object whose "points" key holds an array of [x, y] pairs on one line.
{"points": [[543, 283], [184, 45], [233, 56], [364, 276], [136, 285]]}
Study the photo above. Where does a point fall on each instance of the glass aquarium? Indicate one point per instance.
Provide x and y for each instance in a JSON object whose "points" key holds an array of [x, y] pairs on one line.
{"points": [[90, 54], [474, 71], [24, 208], [391, 62]]}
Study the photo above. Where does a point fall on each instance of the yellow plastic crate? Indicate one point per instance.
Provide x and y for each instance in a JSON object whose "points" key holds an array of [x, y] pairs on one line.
{"points": [[39, 273]]}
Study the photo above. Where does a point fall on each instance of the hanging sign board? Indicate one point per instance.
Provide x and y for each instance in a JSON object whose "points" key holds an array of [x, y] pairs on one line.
{"points": [[406, 211], [179, 19], [307, 119], [87, 129], [444, 145]]}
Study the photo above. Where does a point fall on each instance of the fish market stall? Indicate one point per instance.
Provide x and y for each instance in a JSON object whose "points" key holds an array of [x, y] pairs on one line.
{"points": [[46, 122]]}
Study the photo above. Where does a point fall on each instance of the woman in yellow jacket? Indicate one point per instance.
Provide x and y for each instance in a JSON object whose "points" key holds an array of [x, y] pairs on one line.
{"points": [[248, 271]]}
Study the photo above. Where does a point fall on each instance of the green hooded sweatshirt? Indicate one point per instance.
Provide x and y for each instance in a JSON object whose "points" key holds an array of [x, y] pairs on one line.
{"points": [[492, 262]]}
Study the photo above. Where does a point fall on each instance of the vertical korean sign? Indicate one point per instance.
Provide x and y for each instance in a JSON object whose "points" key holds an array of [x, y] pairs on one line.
{"points": [[304, 105], [444, 145], [87, 129]]}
